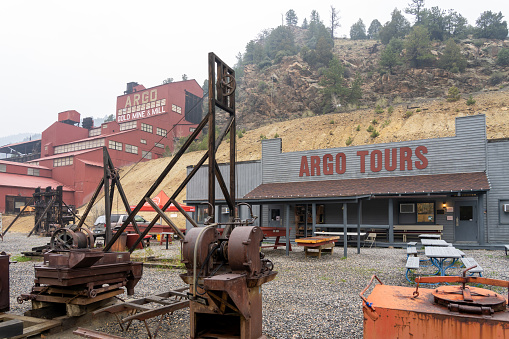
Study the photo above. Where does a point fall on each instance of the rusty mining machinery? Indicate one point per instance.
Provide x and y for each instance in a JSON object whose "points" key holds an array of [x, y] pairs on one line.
{"points": [[76, 276], [225, 272]]}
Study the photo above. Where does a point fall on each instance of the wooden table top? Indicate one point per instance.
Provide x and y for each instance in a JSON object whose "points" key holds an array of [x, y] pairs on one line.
{"points": [[441, 252], [315, 240]]}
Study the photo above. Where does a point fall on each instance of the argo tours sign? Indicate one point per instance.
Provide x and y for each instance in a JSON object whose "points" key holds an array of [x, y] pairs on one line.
{"points": [[390, 159]]}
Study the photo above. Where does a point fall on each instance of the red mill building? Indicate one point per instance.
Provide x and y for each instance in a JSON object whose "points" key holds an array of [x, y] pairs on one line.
{"points": [[148, 121]]}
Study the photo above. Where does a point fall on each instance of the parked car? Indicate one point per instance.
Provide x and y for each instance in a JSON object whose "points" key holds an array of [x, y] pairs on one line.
{"points": [[116, 221]]}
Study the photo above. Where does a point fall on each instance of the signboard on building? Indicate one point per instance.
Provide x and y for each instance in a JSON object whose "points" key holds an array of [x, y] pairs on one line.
{"points": [[141, 105]]}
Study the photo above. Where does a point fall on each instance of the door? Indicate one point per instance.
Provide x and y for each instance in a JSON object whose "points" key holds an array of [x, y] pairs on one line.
{"points": [[465, 221]]}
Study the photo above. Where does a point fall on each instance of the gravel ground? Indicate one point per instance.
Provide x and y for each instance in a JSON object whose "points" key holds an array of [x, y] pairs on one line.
{"points": [[309, 298]]}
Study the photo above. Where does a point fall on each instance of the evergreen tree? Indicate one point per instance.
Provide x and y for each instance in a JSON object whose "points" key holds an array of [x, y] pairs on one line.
{"points": [[415, 8], [280, 39], [418, 47], [315, 17], [374, 29], [323, 51], [358, 31], [334, 90], [398, 27], [490, 26], [434, 20], [305, 24], [390, 56], [291, 18], [455, 25], [452, 59]]}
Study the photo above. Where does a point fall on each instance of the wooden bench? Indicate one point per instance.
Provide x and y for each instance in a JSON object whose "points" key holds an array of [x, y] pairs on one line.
{"points": [[469, 262], [411, 244], [411, 251], [275, 232], [412, 263], [417, 229]]}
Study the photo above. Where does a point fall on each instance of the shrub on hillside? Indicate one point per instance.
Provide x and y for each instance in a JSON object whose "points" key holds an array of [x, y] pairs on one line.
{"points": [[503, 57], [454, 94]]}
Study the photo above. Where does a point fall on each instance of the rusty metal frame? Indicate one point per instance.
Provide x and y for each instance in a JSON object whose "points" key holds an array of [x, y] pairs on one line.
{"points": [[138, 309], [221, 94], [112, 180]]}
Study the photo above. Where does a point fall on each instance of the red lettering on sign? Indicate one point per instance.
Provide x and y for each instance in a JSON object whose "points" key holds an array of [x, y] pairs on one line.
{"points": [[304, 168], [315, 165], [419, 152], [328, 166], [405, 157], [362, 154], [376, 161], [340, 163], [391, 163]]}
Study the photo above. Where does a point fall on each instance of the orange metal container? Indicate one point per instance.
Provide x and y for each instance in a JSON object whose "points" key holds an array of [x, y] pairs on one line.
{"points": [[395, 314]]}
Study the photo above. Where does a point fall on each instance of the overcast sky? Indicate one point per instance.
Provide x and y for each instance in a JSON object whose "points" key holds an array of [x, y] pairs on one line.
{"points": [[63, 55]]}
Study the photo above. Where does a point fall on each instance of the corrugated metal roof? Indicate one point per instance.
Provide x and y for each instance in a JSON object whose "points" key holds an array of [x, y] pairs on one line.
{"points": [[68, 154], [21, 143], [419, 184], [28, 181], [91, 163], [23, 164]]}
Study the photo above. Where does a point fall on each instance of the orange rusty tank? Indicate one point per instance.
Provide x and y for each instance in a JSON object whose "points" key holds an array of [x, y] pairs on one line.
{"points": [[447, 312]]}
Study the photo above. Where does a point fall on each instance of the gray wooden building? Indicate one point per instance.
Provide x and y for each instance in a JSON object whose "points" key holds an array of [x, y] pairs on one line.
{"points": [[458, 186]]}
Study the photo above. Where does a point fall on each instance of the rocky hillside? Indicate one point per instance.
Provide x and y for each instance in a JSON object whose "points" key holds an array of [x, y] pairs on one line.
{"points": [[291, 89]]}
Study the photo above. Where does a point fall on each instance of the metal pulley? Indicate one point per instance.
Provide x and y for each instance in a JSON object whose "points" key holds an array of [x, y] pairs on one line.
{"points": [[228, 84], [71, 237]]}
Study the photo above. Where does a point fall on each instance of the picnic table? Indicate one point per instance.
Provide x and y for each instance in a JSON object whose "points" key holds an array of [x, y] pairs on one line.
{"points": [[320, 243], [438, 255], [434, 242]]}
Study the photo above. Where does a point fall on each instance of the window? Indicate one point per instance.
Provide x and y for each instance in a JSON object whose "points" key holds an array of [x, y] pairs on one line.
{"points": [[3, 168], [115, 145], [161, 132], [128, 125], [66, 161], [146, 155], [146, 128], [131, 149], [407, 208], [425, 212], [158, 145], [143, 141], [176, 109], [94, 132], [417, 213], [33, 171], [201, 213], [79, 146], [192, 129]]}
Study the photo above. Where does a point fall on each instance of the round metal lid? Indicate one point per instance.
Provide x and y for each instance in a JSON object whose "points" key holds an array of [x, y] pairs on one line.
{"points": [[469, 297]]}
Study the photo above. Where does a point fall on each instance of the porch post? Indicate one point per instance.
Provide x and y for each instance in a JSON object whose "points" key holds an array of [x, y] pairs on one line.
{"points": [[391, 220], [345, 219], [287, 225], [313, 213], [480, 219], [359, 210]]}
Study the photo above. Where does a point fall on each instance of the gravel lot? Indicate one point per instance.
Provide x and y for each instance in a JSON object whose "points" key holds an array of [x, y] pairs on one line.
{"points": [[310, 297]]}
